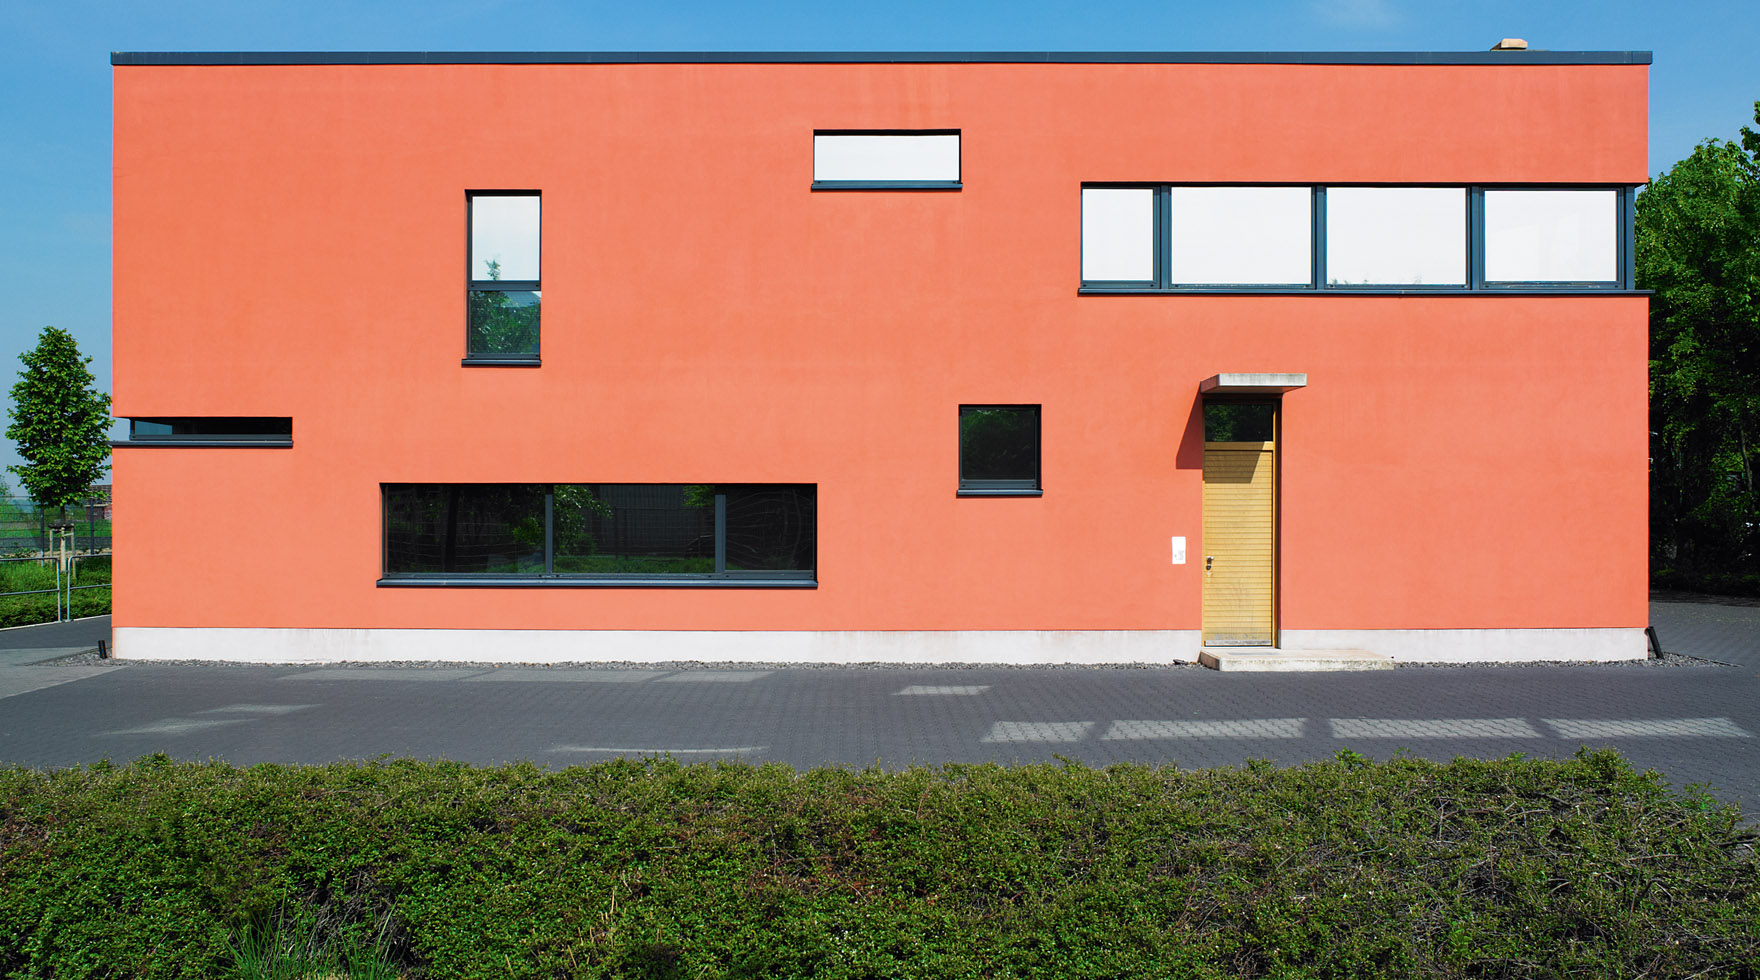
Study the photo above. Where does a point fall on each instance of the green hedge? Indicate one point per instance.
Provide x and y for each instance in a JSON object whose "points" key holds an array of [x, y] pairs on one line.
{"points": [[1510, 868]]}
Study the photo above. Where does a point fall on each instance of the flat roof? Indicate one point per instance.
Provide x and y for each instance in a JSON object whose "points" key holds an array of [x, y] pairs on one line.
{"points": [[1528, 57]]}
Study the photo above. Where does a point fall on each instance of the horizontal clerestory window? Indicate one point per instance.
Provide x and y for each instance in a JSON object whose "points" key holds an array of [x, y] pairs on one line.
{"points": [[610, 534], [211, 431], [503, 290], [1350, 239], [889, 159]]}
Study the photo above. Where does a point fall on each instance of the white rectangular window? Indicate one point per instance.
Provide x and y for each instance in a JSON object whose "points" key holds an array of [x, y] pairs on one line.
{"points": [[504, 237], [1241, 236], [1551, 236], [1396, 236], [1118, 234], [886, 158]]}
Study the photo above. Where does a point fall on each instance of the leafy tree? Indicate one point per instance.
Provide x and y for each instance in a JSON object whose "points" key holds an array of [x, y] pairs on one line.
{"points": [[59, 421], [1698, 247], [503, 322]]}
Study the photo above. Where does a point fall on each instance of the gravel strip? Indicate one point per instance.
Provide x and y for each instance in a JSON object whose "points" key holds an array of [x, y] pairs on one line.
{"points": [[1666, 660]]}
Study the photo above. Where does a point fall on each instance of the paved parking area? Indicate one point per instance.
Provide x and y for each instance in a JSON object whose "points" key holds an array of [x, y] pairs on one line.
{"points": [[1716, 628], [1693, 724]]}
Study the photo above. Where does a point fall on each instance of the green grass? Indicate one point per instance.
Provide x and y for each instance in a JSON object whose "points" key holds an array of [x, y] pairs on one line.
{"points": [[300, 948], [1507, 868], [21, 576]]}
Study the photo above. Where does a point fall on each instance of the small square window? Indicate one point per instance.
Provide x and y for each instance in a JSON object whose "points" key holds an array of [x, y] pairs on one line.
{"points": [[999, 450], [503, 293]]}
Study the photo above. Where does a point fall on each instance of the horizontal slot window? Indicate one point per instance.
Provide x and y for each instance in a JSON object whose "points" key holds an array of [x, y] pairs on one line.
{"points": [[898, 159], [212, 430], [1355, 239], [600, 533]]}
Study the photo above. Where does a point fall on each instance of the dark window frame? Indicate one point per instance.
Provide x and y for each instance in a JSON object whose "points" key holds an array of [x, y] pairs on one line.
{"points": [[1034, 487], [473, 285], [720, 577], [890, 185], [1476, 285], [1625, 213], [276, 433]]}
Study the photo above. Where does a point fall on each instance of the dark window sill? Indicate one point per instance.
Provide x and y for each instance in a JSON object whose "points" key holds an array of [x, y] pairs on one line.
{"points": [[977, 492], [581, 582], [1348, 291], [202, 443], [501, 362], [887, 185]]}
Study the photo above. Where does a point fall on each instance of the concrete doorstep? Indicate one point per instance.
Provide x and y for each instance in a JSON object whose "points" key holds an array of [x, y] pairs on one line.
{"points": [[1273, 658]]}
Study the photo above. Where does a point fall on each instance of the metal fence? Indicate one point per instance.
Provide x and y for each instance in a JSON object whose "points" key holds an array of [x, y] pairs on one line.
{"points": [[27, 530], [65, 576], [63, 554]]}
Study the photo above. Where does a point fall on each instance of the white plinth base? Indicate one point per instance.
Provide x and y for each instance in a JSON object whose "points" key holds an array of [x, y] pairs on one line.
{"points": [[304, 646], [309, 646]]}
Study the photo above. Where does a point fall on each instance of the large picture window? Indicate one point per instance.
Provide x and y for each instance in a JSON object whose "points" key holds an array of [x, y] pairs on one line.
{"points": [[503, 291], [1396, 236], [1255, 236], [1551, 236], [600, 533]]}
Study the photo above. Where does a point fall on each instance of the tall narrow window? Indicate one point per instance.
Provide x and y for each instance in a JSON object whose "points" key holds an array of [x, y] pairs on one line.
{"points": [[1396, 236], [1241, 236], [1547, 236], [503, 294], [1118, 234]]}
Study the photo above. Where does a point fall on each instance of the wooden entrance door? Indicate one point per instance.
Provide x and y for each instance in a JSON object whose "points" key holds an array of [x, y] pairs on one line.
{"points": [[1240, 526]]}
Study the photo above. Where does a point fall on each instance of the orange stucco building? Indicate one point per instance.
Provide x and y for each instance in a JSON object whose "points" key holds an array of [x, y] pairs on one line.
{"points": [[1030, 358]]}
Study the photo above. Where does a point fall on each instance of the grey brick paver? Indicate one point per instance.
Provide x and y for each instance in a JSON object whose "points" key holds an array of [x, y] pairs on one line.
{"points": [[1682, 722]]}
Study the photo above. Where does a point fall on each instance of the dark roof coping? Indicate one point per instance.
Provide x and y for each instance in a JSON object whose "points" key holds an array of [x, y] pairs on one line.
{"points": [[878, 57]]}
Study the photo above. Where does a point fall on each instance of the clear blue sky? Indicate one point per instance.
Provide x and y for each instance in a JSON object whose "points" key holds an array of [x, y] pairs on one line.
{"points": [[55, 71]]}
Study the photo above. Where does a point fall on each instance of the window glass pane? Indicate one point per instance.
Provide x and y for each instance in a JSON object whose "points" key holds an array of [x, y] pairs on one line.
{"points": [[504, 237], [504, 322], [1239, 421], [1551, 236], [1249, 236], [1118, 234], [475, 528], [634, 528], [213, 427], [880, 157], [1396, 236], [771, 528], [999, 443]]}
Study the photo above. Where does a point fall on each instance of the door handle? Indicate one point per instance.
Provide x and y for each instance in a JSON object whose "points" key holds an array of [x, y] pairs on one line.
{"points": [[1207, 560]]}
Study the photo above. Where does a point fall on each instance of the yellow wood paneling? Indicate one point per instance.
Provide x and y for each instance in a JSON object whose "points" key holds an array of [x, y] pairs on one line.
{"points": [[1240, 528]]}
